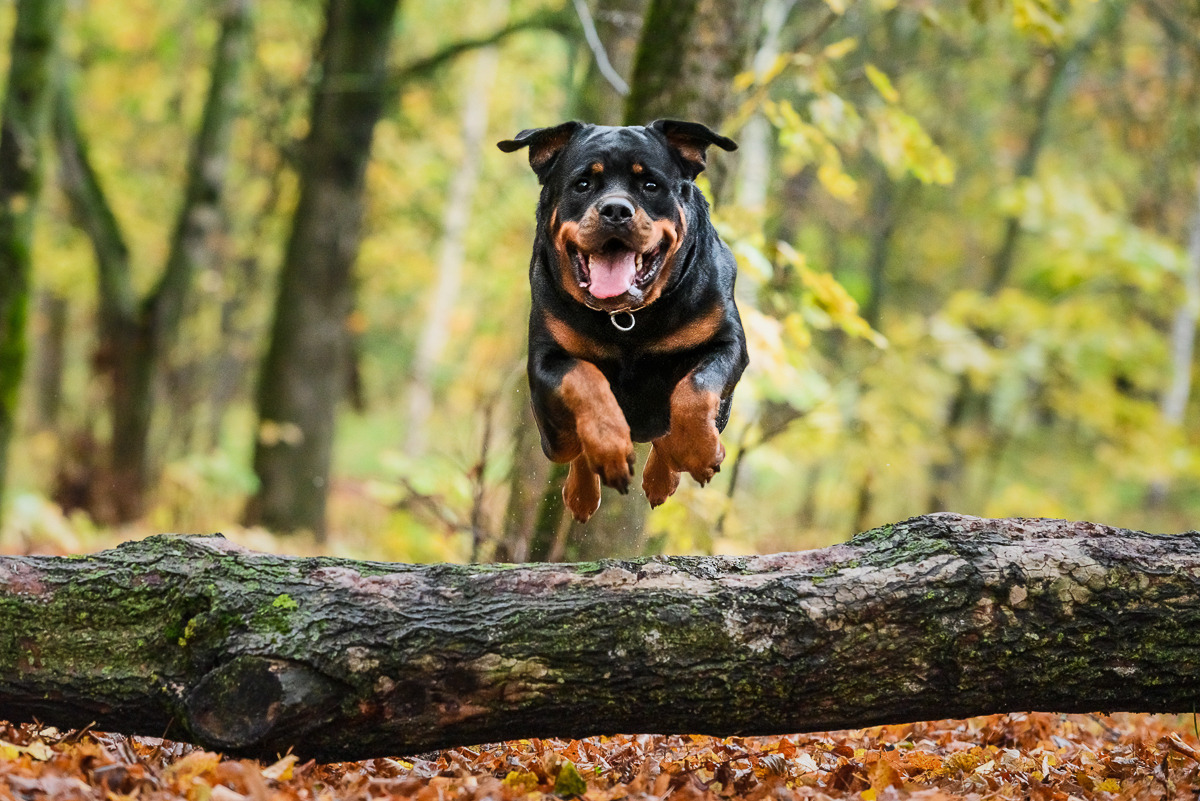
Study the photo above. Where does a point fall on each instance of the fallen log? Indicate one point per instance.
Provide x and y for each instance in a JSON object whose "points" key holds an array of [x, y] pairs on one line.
{"points": [[195, 638]]}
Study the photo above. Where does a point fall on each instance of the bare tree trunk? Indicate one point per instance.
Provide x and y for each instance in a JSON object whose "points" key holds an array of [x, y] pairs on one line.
{"points": [[754, 143], [938, 616], [50, 358], [136, 335], [1174, 401], [304, 372], [456, 216], [24, 120]]}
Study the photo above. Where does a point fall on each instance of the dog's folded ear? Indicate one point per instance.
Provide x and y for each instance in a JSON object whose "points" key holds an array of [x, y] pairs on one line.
{"points": [[690, 141], [544, 145]]}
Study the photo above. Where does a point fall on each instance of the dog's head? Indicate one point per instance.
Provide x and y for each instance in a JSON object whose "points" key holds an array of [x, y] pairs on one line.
{"points": [[613, 203]]}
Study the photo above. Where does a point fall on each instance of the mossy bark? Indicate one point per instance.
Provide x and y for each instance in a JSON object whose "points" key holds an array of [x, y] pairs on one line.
{"points": [[938, 616], [24, 119]]}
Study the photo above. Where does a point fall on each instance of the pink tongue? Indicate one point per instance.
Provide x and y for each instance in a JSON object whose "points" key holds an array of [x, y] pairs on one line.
{"points": [[612, 273]]}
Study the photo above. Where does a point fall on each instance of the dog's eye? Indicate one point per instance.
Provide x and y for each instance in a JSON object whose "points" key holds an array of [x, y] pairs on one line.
{"points": [[583, 185], [650, 186]]}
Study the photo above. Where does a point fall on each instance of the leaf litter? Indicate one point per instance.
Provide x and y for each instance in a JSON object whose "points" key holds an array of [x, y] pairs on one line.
{"points": [[1038, 756]]}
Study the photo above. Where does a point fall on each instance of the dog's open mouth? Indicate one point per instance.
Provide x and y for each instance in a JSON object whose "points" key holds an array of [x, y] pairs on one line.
{"points": [[615, 270]]}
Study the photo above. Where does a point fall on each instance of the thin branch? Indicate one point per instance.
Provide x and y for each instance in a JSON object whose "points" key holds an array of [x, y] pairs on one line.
{"points": [[1177, 30], [556, 22], [593, 39]]}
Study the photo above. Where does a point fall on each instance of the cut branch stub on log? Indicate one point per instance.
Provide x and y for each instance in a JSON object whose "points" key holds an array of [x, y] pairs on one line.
{"points": [[938, 616]]}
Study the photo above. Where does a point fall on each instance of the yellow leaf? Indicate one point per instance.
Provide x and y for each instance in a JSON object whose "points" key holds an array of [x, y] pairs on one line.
{"points": [[836, 182], [868, 794], [840, 48], [281, 771], [1109, 786], [521, 782], [39, 751], [882, 83]]}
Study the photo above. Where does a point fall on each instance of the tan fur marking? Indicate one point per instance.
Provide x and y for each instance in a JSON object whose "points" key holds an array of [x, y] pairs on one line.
{"points": [[692, 446], [581, 490], [638, 169], [659, 481], [568, 232], [693, 333], [600, 425], [575, 343], [597, 168], [673, 235]]}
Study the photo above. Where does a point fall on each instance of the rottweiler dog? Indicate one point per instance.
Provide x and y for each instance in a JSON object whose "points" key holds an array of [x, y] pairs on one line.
{"points": [[633, 333]]}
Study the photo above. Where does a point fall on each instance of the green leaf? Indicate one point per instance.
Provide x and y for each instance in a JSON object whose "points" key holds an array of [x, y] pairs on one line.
{"points": [[569, 782]]}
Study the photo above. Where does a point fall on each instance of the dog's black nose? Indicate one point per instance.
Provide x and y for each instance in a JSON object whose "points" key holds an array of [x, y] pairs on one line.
{"points": [[616, 210]]}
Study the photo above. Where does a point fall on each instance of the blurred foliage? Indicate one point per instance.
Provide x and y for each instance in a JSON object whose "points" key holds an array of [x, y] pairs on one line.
{"points": [[898, 133]]}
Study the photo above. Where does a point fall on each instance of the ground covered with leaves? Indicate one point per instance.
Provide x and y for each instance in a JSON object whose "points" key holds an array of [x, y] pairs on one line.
{"points": [[1039, 756]]}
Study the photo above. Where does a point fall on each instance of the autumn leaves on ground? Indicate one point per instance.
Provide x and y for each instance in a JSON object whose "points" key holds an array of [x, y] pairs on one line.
{"points": [[1041, 756]]}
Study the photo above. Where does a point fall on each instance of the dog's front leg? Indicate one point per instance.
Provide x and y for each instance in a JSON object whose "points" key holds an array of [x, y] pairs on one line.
{"points": [[693, 443], [583, 424]]}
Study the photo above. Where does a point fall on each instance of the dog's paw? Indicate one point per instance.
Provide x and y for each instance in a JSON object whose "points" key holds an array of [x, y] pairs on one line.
{"points": [[609, 451], [693, 447], [659, 481], [581, 490]]}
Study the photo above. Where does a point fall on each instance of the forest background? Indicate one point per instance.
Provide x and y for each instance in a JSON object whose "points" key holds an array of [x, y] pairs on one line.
{"points": [[968, 238]]}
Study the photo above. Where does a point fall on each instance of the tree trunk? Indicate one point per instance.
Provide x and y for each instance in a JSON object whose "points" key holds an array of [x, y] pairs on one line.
{"points": [[456, 218], [50, 358], [304, 373], [135, 335], [1174, 402], [937, 616], [689, 54], [24, 120], [618, 28]]}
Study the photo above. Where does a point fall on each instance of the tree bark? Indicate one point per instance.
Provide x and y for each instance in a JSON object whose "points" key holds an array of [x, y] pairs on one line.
{"points": [[24, 120], [50, 358], [304, 373], [937, 616], [136, 334]]}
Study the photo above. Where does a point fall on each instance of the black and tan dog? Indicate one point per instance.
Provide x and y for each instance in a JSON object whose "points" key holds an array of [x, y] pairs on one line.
{"points": [[633, 335]]}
